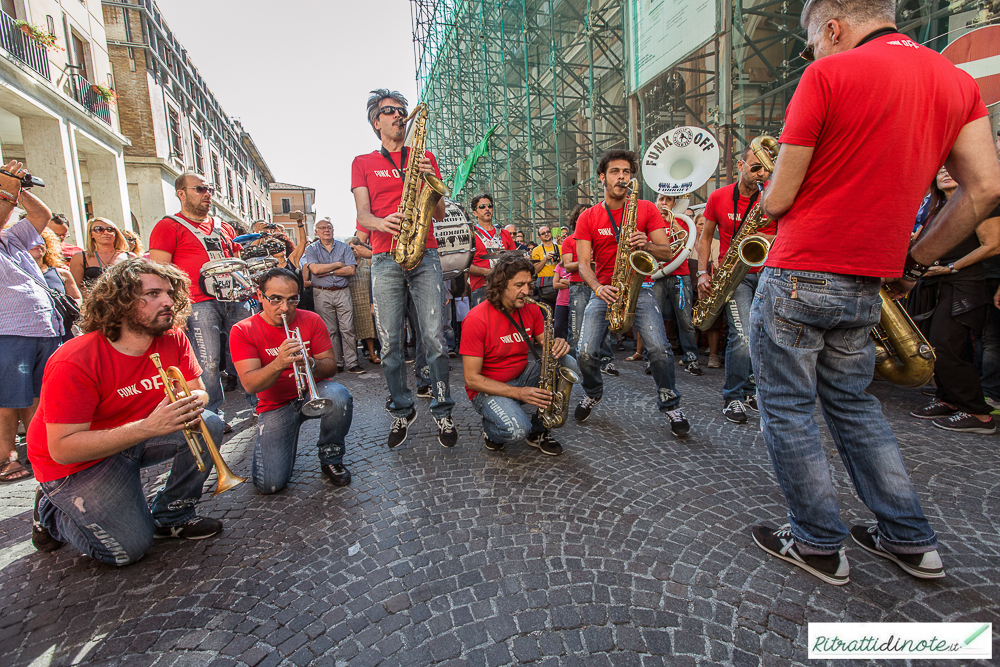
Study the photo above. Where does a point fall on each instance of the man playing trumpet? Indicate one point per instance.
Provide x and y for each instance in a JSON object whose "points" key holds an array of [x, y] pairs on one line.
{"points": [[264, 355], [104, 415]]}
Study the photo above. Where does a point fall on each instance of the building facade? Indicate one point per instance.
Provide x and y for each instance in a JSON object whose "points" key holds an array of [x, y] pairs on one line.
{"points": [[176, 125], [286, 198], [54, 115]]}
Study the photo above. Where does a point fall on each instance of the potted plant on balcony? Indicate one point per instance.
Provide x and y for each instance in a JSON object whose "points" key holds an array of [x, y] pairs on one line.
{"points": [[38, 35], [106, 94]]}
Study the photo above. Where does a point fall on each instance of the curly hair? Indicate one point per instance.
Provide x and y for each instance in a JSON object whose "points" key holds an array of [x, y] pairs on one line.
{"points": [[574, 217], [502, 273], [377, 96], [617, 154], [121, 243], [116, 293], [53, 249]]}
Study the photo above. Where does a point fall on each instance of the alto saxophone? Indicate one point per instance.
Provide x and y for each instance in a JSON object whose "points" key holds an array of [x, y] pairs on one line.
{"points": [[631, 267], [902, 354], [747, 250], [417, 203], [555, 377]]}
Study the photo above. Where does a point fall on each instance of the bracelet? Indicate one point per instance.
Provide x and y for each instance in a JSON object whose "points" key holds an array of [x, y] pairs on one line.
{"points": [[913, 270], [702, 273], [597, 292]]}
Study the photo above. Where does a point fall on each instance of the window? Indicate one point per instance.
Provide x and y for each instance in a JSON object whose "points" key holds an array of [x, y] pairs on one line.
{"points": [[8, 8], [229, 183], [217, 182], [199, 162], [79, 56], [239, 190], [50, 23], [286, 205], [174, 125]]}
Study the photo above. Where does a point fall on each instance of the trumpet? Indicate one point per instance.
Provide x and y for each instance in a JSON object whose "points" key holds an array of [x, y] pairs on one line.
{"points": [[227, 479], [316, 406]]}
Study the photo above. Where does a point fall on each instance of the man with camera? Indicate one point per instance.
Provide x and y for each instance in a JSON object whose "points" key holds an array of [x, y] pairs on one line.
{"points": [[545, 256]]}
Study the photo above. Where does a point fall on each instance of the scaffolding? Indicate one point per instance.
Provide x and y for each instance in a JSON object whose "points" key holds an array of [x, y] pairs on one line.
{"points": [[551, 75]]}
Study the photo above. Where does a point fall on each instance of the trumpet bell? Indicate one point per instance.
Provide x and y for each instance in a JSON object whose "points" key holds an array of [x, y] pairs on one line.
{"points": [[680, 160], [317, 407]]}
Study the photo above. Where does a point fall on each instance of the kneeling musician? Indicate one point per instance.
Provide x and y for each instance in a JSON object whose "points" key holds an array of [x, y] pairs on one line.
{"points": [[499, 377], [279, 353]]}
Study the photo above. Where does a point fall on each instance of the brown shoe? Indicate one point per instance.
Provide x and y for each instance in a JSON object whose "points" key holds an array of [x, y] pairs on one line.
{"points": [[714, 361]]}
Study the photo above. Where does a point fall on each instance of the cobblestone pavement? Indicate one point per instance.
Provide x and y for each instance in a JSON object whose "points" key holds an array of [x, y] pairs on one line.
{"points": [[630, 549]]}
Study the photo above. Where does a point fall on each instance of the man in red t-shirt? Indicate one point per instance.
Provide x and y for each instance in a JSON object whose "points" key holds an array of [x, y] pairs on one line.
{"points": [[499, 377], [726, 210], [104, 415], [847, 140], [264, 355], [489, 239], [189, 240], [377, 183], [597, 237]]}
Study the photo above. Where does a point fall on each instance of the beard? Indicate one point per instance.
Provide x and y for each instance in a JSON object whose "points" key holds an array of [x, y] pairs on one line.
{"points": [[155, 327]]}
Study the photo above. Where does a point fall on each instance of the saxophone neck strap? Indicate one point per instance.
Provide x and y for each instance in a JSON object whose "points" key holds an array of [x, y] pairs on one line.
{"points": [[402, 160], [520, 328], [737, 220], [607, 209]]}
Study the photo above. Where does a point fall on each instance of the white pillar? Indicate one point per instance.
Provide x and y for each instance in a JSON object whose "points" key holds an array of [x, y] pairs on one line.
{"points": [[48, 154], [108, 188]]}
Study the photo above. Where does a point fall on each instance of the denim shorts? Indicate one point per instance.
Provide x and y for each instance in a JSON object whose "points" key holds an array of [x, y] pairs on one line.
{"points": [[22, 368]]}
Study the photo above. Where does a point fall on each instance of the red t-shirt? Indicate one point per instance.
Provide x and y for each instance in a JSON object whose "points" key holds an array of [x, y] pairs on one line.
{"points": [[719, 210], [88, 380], [879, 139], [506, 243], [69, 250], [254, 338], [187, 252], [569, 248], [595, 227], [385, 189], [487, 334]]}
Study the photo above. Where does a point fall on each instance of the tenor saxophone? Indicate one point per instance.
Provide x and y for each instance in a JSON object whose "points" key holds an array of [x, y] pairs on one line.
{"points": [[631, 267], [555, 377], [902, 354], [421, 194]]}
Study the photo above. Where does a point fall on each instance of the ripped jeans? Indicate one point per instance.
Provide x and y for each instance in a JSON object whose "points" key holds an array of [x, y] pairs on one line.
{"points": [[208, 321], [102, 511], [504, 421]]}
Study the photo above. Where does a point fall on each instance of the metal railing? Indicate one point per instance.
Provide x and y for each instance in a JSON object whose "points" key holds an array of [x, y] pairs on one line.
{"points": [[18, 45], [84, 93]]}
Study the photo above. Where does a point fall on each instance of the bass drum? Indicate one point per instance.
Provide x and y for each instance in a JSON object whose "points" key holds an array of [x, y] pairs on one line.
{"points": [[455, 242]]}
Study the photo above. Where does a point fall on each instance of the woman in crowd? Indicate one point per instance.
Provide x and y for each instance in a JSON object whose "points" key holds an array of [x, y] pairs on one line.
{"points": [[48, 256], [361, 298], [950, 303], [134, 243], [561, 282], [106, 246]]}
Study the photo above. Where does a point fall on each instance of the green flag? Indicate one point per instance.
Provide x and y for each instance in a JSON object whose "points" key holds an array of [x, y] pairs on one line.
{"points": [[469, 163]]}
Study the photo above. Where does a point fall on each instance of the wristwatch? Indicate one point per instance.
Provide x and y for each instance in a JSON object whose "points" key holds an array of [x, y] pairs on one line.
{"points": [[951, 267]]}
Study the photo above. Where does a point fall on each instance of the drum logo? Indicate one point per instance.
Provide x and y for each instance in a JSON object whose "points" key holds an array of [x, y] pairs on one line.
{"points": [[682, 137]]}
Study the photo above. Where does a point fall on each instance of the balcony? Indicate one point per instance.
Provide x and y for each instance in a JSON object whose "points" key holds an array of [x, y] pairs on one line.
{"points": [[92, 101], [17, 44]]}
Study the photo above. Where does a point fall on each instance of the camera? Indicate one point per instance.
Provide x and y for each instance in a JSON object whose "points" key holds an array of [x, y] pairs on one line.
{"points": [[27, 181]]}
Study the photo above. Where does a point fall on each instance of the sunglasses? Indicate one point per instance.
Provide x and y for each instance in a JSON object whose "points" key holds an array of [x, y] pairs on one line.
{"points": [[754, 168], [278, 300], [201, 189], [545, 233], [482, 206], [388, 111], [101, 230], [808, 54]]}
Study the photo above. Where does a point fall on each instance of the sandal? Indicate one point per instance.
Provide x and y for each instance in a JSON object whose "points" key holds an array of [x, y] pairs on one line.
{"points": [[374, 359], [19, 472], [634, 357]]}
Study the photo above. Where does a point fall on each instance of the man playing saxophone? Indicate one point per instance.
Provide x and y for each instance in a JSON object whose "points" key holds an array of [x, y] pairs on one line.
{"points": [[499, 376], [264, 355], [104, 415], [377, 181], [727, 208], [597, 238]]}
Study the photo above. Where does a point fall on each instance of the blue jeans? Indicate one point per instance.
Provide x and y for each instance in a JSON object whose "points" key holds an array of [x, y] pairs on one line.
{"points": [[277, 439], [673, 296], [477, 296], [739, 368], [818, 344], [649, 323], [208, 321], [504, 421], [102, 510], [391, 285], [579, 297]]}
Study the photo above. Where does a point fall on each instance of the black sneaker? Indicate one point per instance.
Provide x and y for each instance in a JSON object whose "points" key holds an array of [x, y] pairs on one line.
{"points": [[693, 368], [545, 443], [355, 369], [833, 569], [609, 369], [447, 434], [197, 528], [336, 473], [933, 410], [751, 403], [649, 368], [492, 446], [41, 539], [735, 412], [583, 410], [424, 392], [679, 424], [397, 432], [452, 354], [923, 566], [963, 422]]}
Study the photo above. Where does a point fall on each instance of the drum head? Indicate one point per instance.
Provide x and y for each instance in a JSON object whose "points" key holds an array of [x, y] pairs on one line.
{"points": [[680, 160], [224, 265], [454, 238]]}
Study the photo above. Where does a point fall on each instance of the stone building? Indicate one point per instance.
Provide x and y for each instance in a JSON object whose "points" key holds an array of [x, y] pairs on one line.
{"points": [[286, 198], [175, 124], [54, 115]]}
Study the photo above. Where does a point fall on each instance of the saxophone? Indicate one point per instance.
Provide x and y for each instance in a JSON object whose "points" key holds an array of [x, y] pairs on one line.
{"points": [[417, 203], [902, 354], [631, 267], [747, 250], [555, 377]]}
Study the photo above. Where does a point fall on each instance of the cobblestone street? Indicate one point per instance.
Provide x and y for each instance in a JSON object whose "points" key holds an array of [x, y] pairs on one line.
{"points": [[632, 548]]}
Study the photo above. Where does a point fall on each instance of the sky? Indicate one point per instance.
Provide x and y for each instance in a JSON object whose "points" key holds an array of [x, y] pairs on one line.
{"points": [[296, 74]]}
